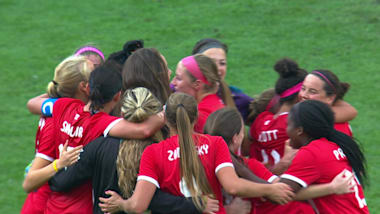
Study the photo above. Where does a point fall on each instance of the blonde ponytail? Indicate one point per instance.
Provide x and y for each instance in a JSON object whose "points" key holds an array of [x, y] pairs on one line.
{"points": [[137, 105]]}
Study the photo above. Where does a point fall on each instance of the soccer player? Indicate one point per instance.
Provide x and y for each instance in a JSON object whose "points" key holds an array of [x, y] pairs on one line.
{"points": [[69, 78], [324, 152], [324, 85], [198, 76], [228, 124]]}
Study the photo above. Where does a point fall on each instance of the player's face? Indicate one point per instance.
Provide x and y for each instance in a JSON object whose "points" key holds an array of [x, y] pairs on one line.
{"points": [[220, 59], [312, 89], [182, 82], [294, 133]]}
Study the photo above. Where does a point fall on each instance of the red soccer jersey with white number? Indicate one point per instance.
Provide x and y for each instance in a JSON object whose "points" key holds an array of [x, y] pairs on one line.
{"points": [[344, 127], [160, 164], [207, 106], [78, 127], [35, 202], [268, 137], [319, 162], [260, 207]]}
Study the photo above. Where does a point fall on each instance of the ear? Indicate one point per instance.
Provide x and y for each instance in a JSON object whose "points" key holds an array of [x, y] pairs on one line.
{"points": [[330, 99], [299, 131], [84, 88], [197, 85], [116, 97], [87, 88]]}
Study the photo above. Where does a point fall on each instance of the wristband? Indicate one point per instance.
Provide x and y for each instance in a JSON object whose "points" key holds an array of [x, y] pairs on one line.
{"points": [[55, 165]]}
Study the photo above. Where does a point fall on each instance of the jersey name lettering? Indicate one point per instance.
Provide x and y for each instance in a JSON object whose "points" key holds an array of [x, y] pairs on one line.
{"points": [[174, 154], [338, 153], [69, 130], [266, 136]]}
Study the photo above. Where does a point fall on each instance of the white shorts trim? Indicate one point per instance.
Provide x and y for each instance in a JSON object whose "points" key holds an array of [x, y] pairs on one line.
{"points": [[295, 179], [109, 127], [272, 178], [45, 157], [149, 179], [222, 165]]}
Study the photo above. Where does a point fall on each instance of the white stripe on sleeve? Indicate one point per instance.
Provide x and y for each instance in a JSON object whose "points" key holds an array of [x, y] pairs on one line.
{"points": [[109, 127], [149, 179], [45, 157], [271, 179], [222, 165], [295, 179]]}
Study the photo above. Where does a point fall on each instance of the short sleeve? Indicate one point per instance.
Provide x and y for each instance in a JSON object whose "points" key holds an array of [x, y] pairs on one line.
{"points": [[47, 107], [45, 144], [260, 170], [148, 169], [222, 155], [304, 169]]}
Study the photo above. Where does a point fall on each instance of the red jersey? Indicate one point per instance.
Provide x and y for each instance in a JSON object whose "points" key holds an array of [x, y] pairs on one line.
{"points": [[160, 164], [260, 207], [319, 162], [78, 127], [344, 127], [269, 136], [35, 202], [207, 106]]}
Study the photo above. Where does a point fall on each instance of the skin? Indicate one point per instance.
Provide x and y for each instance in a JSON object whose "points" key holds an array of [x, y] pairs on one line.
{"points": [[312, 89], [95, 59], [220, 59]]}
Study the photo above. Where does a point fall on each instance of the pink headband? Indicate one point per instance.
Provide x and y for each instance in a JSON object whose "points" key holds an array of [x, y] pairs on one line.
{"points": [[192, 66], [292, 90], [325, 78], [90, 49]]}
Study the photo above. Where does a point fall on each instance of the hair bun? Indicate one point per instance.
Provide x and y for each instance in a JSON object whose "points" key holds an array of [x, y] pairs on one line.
{"points": [[286, 67], [132, 45]]}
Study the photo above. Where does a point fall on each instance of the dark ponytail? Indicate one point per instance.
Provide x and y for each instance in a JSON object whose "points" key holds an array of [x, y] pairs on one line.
{"points": [[290, 75], [105, 82], [317, 120], [130, 46]]}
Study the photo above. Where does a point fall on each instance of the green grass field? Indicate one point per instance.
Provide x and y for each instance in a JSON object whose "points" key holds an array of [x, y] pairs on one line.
{"points": [[35, 36]]}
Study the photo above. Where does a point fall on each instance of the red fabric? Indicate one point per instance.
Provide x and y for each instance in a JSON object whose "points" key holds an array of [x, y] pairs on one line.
{"points": [[319, 162], [160, 163], [35, 202], [207, 106], [269, 136], [344, 127], [78, 127], [260, 207]]}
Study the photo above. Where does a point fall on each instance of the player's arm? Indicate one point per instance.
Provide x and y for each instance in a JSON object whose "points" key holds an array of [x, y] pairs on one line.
{"points": [[343, 111], [78, 173], [42, 170], [34, 104], [163, 202], [126, 129]]}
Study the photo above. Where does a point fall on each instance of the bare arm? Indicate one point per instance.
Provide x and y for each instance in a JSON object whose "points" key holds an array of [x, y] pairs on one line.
{"points": [[344, 112], [42, 170], [125, 129], [341, 184], [241, 187], [34, 105]]}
